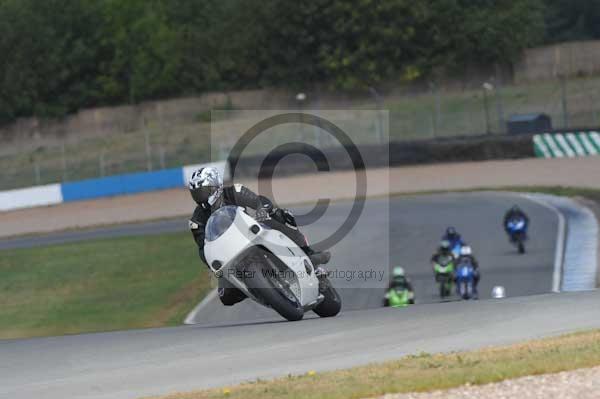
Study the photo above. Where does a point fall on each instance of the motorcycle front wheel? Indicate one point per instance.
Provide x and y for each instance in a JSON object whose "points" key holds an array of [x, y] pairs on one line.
{"points": [[269, 286], [464, 290]]}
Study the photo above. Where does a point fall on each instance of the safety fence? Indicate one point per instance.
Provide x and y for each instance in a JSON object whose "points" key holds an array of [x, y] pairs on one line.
{"points": [[167, 134]]}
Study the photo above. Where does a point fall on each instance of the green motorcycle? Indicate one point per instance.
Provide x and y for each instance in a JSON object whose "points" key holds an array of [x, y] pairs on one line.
{"points": [[444, 274], [399, 298], [400, 292]]}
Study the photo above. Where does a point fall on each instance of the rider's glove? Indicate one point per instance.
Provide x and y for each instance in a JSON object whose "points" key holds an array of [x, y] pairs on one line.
{"points": [[262, 215], [284, 216]]}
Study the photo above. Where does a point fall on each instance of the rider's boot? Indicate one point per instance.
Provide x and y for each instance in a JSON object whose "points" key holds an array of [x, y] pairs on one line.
{"points": [[319, 258], [321, 274]]}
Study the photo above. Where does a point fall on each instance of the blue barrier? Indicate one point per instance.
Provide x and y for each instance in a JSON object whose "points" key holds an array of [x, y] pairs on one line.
{"points": [[110, 186], [122, 184]]}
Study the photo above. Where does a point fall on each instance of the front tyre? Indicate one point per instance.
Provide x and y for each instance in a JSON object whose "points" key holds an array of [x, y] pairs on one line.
{"points": [[444, 290], [521, 247], [463, 290], [445, 285], [332, 304], [268, 285]]}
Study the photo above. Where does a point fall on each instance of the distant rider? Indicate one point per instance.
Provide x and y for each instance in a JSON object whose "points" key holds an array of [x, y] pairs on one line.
{"points": [[515, 213], [452, 237], [206, 188], [399, 279], [400, 282], [443, 253], [466, 256]]}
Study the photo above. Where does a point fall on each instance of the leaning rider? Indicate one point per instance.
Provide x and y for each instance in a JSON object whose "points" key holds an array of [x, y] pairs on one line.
{"points": [[206, 188]]}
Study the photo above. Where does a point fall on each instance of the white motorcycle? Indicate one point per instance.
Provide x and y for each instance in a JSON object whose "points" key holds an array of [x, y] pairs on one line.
{"points": [[266, 265]]}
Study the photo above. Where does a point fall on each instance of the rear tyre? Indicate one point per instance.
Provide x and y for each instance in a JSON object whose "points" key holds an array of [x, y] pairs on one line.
{"points": [[268, 286], [332, 304], [521, 247]]}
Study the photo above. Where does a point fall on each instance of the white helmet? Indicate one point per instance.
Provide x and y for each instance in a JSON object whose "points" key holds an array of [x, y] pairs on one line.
{"points": [[206, 186], [398, 271], [466, 250]]}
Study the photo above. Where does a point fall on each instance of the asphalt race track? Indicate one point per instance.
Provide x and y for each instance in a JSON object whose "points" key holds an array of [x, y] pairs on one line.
{"points": [[244, 342], [415, 226]]}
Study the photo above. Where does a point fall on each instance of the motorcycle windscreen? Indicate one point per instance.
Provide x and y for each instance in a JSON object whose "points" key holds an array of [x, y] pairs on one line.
{"points": [[516, 224], [219, 222]]}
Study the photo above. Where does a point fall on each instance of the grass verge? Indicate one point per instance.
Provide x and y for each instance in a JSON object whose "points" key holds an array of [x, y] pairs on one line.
{"points": [[425, 372], [111, 284]]}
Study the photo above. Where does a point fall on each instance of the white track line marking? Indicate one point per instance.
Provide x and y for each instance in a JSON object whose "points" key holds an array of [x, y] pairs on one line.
{"points": [[192, 315], [560, 241]]}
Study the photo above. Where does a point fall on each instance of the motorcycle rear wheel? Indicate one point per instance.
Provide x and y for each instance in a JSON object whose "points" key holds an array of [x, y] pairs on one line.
{"points": [[332, 304]]}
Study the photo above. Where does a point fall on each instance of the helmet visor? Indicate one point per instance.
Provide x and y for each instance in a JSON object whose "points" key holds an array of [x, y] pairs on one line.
{"points": [[202, 194]]}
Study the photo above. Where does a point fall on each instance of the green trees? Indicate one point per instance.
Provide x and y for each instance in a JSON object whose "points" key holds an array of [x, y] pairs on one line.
{"points": [[141, 56], [57, 56], [361, 43], [49, 56], [484, 32]]}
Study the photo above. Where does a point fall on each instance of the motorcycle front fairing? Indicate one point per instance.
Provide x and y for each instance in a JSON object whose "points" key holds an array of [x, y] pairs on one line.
{"points": [[517, 230], [465, 272], [231, 244], [516, 225]]}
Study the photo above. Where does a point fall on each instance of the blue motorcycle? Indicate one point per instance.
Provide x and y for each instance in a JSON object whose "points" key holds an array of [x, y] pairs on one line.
{"points": [[517, 233], [465, 281]]}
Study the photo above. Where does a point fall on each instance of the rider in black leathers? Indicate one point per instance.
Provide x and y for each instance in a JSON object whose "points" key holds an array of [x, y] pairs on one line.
{"points": [[206, 188]]}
